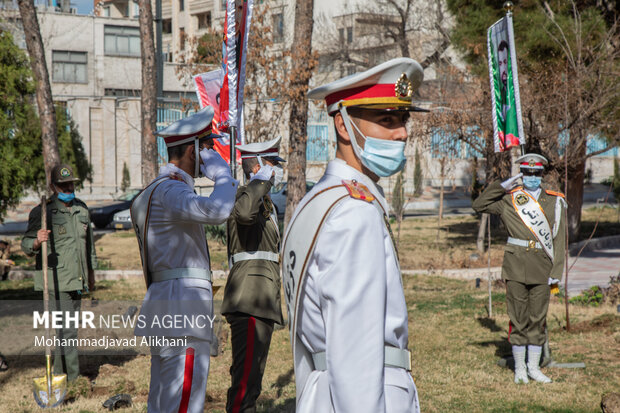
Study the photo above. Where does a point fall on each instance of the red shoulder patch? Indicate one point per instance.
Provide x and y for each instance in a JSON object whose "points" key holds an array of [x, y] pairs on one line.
{"points": [[358, 190], [554, 193]]}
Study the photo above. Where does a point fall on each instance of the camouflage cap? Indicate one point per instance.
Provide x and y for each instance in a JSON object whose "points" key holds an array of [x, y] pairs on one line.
{"points": [[63, 173]]}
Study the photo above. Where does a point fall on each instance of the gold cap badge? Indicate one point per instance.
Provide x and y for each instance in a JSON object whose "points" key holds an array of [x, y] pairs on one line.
{"points": [[403, 87]]}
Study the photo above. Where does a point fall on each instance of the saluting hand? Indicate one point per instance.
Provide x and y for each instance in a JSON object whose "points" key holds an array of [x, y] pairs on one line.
{"points": [[213, 166], [510, 183], [264, 173]]}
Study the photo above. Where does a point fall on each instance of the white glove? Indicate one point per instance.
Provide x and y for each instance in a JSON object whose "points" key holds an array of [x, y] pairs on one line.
{"points": [[213, 166], [510, 183], [553, 281], [264, 173]]}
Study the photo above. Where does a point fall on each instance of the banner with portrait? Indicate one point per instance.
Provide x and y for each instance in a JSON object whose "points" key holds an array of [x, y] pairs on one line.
{"points": [[507, 121]]}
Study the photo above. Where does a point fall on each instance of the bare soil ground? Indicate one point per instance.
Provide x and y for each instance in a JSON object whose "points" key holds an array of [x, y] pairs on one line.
{"points": [[455, 349]]}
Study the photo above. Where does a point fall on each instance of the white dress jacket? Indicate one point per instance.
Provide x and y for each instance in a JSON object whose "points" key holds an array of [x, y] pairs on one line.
{"points": [[176, 239], [352, 306]]}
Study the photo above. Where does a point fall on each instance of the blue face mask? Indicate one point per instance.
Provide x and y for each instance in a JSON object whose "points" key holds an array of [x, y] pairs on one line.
{"points": [[66, 197], [383, 157], [531, 182]]}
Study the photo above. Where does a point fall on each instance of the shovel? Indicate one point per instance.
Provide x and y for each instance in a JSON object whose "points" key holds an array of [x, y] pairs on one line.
{"points": [[49, 390]]}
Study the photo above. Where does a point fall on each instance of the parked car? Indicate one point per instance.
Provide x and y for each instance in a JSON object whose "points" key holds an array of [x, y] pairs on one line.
{"points": [[102, 214], [122, 220], [278, 197]]}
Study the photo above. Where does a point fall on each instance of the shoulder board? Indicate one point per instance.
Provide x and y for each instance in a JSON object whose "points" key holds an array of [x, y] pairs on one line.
{"points": [[358, 190], [554, 193], [176, 177], [518, 188]]}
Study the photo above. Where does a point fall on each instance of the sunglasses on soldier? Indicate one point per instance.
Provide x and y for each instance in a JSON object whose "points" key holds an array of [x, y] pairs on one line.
{"points": [[532, 172]]}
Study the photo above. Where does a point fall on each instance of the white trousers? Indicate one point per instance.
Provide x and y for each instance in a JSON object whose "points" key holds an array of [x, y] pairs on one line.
{"points": [[179, 377]]}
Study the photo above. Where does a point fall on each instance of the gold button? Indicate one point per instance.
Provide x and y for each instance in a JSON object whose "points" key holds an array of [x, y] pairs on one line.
{"points": [[532, 244]]}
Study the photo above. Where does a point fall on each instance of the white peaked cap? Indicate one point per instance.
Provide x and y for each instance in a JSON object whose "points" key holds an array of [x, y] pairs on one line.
{"points": [[388, 85]]}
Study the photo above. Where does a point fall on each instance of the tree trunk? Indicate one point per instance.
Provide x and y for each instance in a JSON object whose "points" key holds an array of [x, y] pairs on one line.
{"points": [[302, 67], [574, 197], [148, 99], [442, 162], [45, 103], [484, 219]]}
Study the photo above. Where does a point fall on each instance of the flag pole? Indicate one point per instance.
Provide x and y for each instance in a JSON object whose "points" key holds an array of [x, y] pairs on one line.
{"points": [[233, 151], [508, 7]]}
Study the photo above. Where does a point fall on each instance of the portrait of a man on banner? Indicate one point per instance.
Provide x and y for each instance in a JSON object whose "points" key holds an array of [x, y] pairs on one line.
{"points": [[505, 89]]}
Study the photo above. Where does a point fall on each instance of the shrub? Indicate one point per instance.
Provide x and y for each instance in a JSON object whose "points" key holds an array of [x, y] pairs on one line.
{"points": [[592, 297]]}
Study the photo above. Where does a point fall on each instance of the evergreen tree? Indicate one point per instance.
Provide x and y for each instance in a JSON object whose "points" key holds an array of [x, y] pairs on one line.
{"points": [[21, 152], [70, 147], [568, 57], [21, 161], [126, 181]]}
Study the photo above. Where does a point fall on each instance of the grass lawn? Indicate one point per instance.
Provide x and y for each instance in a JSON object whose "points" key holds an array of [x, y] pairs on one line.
{"points": [[455, 349], [419, 244]]}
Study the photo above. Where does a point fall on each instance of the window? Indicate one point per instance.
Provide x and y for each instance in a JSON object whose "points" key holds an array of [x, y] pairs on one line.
{"points": [[444, 144], [106, 11], [136, 9], [166, 26], [123, 41], [181, 5], [278, 28], [122, 92], [317, 147], [69, 67], [349, 34], [204, 20], [182, 38], [341, 36]]}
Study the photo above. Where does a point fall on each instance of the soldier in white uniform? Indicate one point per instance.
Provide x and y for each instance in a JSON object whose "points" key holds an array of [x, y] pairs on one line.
{"points": [[169, 219], [341, 273]]}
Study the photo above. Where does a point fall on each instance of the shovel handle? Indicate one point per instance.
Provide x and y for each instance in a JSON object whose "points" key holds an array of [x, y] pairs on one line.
{"points": [[46, 303]]}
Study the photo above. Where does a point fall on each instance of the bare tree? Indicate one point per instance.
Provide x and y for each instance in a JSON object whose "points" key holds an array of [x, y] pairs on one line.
{"points": [[45, 103], [301, 72], [267, 94], [573, 101], [148, 98], [371, 33]]}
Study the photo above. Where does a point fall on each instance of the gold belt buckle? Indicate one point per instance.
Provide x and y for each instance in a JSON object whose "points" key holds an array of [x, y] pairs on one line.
{"points": [[532, 244]]}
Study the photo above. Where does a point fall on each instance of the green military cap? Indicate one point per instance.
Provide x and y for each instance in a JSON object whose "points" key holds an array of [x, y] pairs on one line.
{"points": [[63, 173]]}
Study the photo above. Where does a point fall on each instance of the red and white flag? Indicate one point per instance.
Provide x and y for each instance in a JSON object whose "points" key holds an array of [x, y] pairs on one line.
{"points": [[223, 88]]}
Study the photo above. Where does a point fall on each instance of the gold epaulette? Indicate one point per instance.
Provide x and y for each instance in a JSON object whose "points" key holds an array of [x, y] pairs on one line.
{"points": [[554, 193], [513, 190], [358, 190]]}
